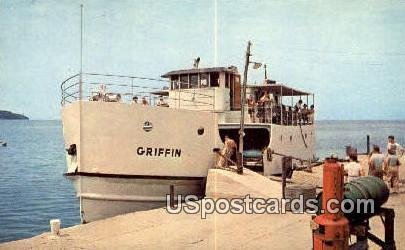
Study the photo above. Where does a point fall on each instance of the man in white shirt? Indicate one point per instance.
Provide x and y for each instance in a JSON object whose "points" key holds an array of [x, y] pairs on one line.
{"points": [[399, 150], [391, 167], [353, 169]]}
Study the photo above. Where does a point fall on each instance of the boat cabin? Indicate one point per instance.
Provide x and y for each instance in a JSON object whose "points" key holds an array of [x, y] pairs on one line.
{"points": [[218, 88]]}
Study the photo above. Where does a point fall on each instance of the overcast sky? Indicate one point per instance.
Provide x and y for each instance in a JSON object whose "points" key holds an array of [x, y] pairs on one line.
{"points": [[351, 54]]}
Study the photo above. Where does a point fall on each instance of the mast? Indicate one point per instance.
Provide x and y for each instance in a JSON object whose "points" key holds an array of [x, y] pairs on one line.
{"points": [[80, 110], [81, 53], [243, 101], [215, 33]]}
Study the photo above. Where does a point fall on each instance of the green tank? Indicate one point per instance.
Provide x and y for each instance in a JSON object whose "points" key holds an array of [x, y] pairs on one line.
{"points": [[368, 187]]}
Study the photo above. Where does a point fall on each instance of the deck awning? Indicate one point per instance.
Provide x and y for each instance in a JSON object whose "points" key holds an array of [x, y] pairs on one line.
{"points": [[280, 89]]}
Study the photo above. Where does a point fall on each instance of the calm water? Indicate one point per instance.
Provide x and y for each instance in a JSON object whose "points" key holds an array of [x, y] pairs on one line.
{"points": [[33, 189]]}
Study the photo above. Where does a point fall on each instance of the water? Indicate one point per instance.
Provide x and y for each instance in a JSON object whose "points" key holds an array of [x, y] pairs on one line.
{"points": [[33, 189], [333, 136]]}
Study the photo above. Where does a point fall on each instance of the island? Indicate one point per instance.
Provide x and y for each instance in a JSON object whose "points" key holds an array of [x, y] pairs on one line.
{"points": [[7, 115]]}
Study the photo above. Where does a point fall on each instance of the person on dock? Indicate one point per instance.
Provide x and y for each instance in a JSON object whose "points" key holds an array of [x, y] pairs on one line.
{"points": [[391, 167], [227, 152], [376, 163], [392, 144], [353, 169]]}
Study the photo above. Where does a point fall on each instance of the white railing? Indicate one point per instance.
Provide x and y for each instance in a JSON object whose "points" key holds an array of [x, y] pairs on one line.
{"points": [[119, 88]]}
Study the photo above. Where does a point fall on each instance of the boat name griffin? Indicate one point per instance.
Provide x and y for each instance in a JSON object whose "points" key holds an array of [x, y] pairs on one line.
{"points": [[163, 152]]}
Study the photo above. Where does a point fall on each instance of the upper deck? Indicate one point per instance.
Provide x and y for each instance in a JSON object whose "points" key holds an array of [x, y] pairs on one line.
{"points": [[215, 89]]}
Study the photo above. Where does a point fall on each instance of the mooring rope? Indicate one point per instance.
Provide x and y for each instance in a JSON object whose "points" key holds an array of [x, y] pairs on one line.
{"points": [[302, 136]]}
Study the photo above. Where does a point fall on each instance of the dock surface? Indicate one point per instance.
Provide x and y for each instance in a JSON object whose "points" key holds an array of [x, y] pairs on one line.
{"points": [[157, 229]]}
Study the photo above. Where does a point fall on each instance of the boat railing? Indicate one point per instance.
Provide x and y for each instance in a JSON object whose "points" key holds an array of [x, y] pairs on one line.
{"points": [[281, 115], [121, 88]]}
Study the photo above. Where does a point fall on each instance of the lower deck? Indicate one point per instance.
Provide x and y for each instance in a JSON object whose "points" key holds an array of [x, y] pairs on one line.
{"points": [[262, 138]]}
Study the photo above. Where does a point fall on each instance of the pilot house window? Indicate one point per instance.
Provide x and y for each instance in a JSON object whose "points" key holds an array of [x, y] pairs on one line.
{"points": [[193, 81], [214, 79], [174, 81], [184, 81], [204, 80]]}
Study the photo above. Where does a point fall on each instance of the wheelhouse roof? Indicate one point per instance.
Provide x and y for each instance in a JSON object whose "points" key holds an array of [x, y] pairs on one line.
{"points": [[280, 89], [230, 69]]}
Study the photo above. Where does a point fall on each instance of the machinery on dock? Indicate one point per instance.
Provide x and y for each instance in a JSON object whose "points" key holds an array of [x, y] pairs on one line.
{"points": [[334, 223]]}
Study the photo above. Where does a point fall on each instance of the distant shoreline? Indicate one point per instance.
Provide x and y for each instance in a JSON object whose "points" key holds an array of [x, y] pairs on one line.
{"points": [[8, 115]]}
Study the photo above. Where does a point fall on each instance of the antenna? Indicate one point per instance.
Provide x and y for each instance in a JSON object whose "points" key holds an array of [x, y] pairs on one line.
{"points": [[81, 53]]}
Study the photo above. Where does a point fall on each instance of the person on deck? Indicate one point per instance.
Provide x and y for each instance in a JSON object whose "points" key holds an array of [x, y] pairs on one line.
{"points": [[299, 104], [290, 116], [134, 100], [353, 169], [265, 104], [305, 112], [311, 114], [391, 167], [251, 108], [144, 101], [162, 102], [298, 108], [376, 163]]}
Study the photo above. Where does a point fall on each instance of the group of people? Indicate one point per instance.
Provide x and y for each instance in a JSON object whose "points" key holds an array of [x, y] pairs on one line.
{"points": [[144, 102], [103, 96], [384, 166], [268, 110]]}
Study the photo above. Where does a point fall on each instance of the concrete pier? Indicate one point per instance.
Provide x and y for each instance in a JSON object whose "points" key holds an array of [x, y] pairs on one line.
{"points": [[157, 229]]}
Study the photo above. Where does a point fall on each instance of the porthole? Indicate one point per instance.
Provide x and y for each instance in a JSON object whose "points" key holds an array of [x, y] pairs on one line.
{"points": [[200, 131]]}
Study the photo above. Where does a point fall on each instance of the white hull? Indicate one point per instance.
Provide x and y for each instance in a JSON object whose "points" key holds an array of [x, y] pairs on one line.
{"points": [[103, 197], [122, 167]]}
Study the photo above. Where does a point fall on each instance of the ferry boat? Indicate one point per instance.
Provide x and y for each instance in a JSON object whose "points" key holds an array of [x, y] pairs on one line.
{"points": [[123, 156]]}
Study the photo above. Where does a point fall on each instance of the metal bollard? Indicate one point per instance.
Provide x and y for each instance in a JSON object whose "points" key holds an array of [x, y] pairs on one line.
{"points": [[368, 144], [55, 226]]}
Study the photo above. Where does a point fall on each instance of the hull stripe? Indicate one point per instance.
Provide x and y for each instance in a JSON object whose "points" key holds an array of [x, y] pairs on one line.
{"points": [[129, 176]]}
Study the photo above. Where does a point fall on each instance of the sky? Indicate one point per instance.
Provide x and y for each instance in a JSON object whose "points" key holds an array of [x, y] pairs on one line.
{"points": [[350, 54]]}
